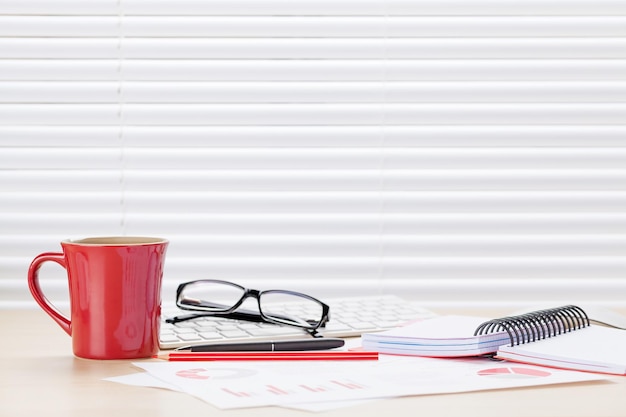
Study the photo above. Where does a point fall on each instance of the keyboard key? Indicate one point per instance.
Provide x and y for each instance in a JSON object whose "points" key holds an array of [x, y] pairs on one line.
{"points": [[249, 326], [189, 337], [185, 330], [227, 327], [202, 329], [171, 338], [186, 324], [277, 331], [210, 335], [386, 324], [234, 333], [362, 325], [335, 327]]}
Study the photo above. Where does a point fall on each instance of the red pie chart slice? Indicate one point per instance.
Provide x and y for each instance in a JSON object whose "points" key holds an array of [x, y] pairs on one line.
{"points": [[513, 372]]}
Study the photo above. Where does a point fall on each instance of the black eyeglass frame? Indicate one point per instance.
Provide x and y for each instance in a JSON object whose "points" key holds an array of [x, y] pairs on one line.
{"points": [[243, 314]]}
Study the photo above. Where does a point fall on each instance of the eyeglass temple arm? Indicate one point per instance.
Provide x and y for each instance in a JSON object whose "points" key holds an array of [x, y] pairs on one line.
{"points": [[247, 315]]}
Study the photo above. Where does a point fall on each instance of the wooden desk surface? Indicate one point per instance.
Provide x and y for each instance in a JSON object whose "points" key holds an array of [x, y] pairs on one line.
{"points": [[40, 376]]}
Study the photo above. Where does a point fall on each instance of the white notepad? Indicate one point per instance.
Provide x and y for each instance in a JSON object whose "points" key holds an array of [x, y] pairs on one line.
{"points": [[585, 348], [593, 348]]}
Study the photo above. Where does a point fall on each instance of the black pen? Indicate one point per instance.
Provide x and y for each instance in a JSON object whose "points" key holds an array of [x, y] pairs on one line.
{"points": [[269, 346]]}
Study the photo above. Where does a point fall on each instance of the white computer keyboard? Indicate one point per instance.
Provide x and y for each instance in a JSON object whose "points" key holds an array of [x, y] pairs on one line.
{"points": [[348, 317]]}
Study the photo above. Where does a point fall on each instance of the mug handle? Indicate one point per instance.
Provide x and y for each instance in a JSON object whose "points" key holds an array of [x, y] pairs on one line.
{"points": [[40, 298]]}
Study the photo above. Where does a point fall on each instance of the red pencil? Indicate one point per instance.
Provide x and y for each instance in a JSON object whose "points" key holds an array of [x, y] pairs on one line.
{"points": [[264, 356]]}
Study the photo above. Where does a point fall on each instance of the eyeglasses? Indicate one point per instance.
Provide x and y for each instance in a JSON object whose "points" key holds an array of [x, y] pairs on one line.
{"points": [[222, 298]]}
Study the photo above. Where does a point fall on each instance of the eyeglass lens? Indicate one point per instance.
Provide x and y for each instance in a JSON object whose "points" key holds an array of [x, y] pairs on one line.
{"points": [[291, 308], [210, 296]]}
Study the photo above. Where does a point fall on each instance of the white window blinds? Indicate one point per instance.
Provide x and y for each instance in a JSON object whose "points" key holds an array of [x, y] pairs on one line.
{"points": [[469, 152]]}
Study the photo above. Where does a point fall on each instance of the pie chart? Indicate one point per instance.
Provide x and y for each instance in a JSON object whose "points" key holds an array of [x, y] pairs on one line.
{"points": [[222, 373], [513, 372]]}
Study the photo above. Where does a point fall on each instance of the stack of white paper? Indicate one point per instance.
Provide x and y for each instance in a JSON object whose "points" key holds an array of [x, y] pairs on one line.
{"points": [[443, 336]]}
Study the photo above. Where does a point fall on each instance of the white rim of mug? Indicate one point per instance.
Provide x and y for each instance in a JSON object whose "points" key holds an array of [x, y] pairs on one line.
{"points": [[115, 241]]}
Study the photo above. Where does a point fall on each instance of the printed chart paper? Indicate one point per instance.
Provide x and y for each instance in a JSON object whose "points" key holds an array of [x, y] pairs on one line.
{"points": [[252, 384]]}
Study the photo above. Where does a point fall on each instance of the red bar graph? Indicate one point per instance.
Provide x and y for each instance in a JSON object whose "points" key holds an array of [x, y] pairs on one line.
{"points": [[348, 385], [275, 390], [313, 389], [239, 394], [289, 389]]}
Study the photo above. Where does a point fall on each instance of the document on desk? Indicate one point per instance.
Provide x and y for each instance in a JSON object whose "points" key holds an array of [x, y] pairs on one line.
{"points": [[253, 384]]}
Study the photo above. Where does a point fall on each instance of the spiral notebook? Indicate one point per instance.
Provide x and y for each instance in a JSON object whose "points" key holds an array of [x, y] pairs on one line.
{"points": [[560, 337]]}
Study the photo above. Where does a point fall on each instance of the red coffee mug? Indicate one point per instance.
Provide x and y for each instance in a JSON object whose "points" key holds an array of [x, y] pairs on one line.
{"points": [[115, 295]]}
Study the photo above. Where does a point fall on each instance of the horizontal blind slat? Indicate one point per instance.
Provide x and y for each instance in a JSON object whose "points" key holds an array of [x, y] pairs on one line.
{"points": [[320, 7], [62, 225], [318, 202], [315, 158], [373, 245], [313, 114], [429, 293], [441, 136], [315, 70], [185, 92], [338, 48], [434, 293], [505, 268], [313, 180], [318, 26]]}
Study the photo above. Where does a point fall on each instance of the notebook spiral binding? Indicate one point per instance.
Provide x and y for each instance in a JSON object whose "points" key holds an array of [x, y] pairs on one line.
{"points": [[538, 324]]}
